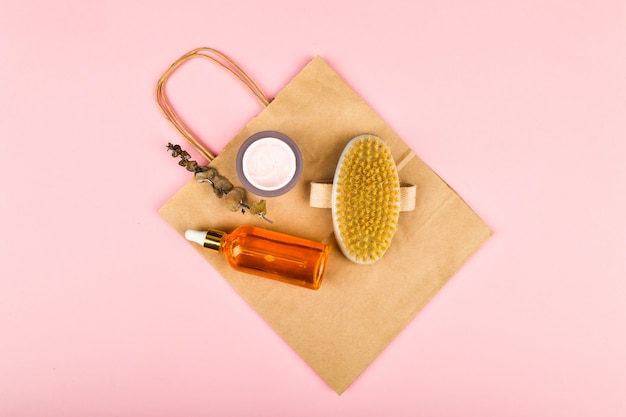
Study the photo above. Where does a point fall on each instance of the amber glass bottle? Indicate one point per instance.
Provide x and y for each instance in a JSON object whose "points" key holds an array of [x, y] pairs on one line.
{"points": [[268, 254]]}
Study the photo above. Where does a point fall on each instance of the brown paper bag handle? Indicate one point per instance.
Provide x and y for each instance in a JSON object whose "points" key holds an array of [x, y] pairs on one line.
{"points": [[223, 61]]}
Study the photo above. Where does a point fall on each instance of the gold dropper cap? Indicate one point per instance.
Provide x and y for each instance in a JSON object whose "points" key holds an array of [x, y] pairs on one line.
{"points": [[210, 239]]}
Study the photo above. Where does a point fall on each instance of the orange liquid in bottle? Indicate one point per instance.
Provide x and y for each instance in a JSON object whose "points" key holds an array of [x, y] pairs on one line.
{"points": [[272, 255]]}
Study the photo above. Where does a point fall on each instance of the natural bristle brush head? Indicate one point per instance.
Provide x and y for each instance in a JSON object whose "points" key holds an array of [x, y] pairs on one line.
{"points": [[365, 199]]}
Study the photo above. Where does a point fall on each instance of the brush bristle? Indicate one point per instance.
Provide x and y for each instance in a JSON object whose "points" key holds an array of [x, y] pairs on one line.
{"points": [[366, 199]]}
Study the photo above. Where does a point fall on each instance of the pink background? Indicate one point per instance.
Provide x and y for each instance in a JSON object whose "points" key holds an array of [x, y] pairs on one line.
{"points": [[518, 105]]}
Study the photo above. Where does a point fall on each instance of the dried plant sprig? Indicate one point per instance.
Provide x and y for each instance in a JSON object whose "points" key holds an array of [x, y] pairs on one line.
{"points": [[234, 196]]}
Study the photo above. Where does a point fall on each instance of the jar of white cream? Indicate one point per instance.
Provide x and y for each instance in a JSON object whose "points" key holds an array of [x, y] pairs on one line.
{"points": [[269, 164]]}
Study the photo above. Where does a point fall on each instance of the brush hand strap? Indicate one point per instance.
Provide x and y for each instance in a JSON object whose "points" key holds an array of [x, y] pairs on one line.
{"points": [[223, 61], [321, 191]]}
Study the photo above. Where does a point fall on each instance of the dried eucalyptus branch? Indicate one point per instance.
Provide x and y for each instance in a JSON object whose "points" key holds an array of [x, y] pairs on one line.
{"points": [[222, 187]]}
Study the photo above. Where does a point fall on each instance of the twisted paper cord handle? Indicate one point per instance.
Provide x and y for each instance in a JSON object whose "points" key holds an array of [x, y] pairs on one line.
{"points": [[221, 60]]}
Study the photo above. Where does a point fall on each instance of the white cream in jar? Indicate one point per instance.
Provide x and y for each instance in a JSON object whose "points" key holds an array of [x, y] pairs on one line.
{"points": [[269, 163]]}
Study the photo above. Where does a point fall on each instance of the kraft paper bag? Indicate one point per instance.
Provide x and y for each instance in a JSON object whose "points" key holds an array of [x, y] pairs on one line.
{"points": [[359, 309]]}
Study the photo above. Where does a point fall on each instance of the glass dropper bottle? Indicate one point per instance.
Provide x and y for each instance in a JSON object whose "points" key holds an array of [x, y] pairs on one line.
{"points": [[267, 253]]}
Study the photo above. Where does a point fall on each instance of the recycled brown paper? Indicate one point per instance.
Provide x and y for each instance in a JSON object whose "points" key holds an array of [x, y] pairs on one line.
{"points": [[341, 328]]}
